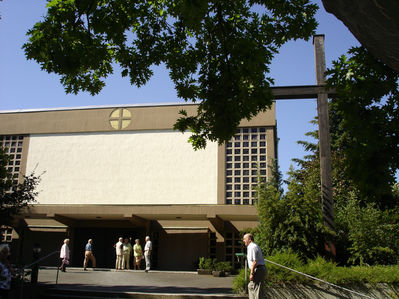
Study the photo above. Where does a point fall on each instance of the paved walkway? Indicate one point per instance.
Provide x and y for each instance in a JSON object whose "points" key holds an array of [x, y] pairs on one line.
{"points": [[165, 282]]}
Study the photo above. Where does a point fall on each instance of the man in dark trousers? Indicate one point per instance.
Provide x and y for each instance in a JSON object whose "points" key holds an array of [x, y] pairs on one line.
{"points": [[256, 264]]}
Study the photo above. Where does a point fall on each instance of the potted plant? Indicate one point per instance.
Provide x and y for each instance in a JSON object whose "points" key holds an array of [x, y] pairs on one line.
{"points": [[221, 269], [205, 265]]}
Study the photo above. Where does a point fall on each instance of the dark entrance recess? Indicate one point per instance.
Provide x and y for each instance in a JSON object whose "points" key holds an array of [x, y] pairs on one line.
{"points": [[103, 241]]}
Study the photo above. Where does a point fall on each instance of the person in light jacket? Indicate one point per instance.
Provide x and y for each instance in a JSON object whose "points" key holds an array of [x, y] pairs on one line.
{"points": [[64, 255], [147, 253]]}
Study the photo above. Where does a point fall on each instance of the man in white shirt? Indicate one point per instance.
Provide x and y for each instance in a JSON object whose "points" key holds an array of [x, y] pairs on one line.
{"points": [[119, 253], [147, 253], [256, 264]]}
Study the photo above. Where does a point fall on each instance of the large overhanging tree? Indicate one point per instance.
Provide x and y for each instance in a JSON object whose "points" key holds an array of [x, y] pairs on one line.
{"points": [[374, 23], [218, 52]]}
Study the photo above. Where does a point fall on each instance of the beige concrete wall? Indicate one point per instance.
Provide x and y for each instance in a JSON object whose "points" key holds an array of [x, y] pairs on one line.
{"points": [[141, 167]]}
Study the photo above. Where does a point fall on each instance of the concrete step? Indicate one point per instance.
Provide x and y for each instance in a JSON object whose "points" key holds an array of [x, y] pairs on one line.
{"points": [[54, 293]]}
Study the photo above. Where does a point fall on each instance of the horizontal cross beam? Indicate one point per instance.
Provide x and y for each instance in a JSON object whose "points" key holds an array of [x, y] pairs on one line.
{"points": [[300, 92]]}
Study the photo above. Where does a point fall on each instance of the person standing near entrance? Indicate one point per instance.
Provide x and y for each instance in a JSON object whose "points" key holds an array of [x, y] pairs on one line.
{"points": [[138, 254], [256, 264], [64, 255], [6, 271], [89, 255], [147, 253], [126, 251], [119, 251]]}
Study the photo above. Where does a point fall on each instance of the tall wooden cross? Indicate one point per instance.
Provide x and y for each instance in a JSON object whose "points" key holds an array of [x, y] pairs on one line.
{"points": [[318, 92]]}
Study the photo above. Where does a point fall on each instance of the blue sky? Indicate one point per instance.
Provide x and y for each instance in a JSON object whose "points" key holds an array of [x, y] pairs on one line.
{"points": [[24, 86]]}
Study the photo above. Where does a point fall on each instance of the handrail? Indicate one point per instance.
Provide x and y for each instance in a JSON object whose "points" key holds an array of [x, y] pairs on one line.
{"points": [[30, 266], [318, 279], [39, 260]]}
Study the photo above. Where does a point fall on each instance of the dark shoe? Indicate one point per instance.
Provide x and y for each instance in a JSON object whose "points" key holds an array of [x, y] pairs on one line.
{"points": [[85, 269]]}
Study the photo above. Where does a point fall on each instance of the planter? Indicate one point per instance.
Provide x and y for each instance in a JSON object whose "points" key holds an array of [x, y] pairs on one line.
{"points": [[219, 273], [204, 272]]}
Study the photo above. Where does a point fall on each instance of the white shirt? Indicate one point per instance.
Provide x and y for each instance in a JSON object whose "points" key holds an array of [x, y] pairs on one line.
{"points": [[118, 248], [147, 247], [254, 254], [64, 254]]}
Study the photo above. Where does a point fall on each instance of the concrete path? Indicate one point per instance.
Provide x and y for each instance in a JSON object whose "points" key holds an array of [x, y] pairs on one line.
{"points": [[154, 282]]}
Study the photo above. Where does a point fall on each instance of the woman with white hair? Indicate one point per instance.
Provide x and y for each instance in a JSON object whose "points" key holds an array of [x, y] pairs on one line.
{"points": [[64, 255], [5, 271]]}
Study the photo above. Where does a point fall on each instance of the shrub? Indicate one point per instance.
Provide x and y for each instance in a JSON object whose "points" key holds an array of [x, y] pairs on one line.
{"points": [[288, 259], [206, 263], [239, 282], [222, 266], [322, 269]]}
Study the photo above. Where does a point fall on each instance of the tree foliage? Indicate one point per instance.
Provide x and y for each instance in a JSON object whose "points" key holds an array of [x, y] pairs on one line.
{"points": [[365, 123], [364, 147], [13, 198], [217, 51], [292, 221]]}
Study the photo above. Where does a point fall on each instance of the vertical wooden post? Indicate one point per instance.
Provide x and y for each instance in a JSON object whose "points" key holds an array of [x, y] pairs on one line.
{"points": [[324, 135]]}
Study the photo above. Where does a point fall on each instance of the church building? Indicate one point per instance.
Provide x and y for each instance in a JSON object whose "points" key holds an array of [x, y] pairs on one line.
{"points": [[110, 172]]}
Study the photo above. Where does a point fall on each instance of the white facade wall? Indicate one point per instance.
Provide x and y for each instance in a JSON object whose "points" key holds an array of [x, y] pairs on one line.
{"points": [[145, 167]]}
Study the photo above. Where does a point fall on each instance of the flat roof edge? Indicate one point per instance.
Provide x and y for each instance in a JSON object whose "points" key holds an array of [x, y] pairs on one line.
{"points": [[97, 107]]}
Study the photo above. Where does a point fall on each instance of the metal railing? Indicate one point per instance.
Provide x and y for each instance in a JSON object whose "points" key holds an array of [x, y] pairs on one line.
{"points": [[318, 279], [30, 266]]}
